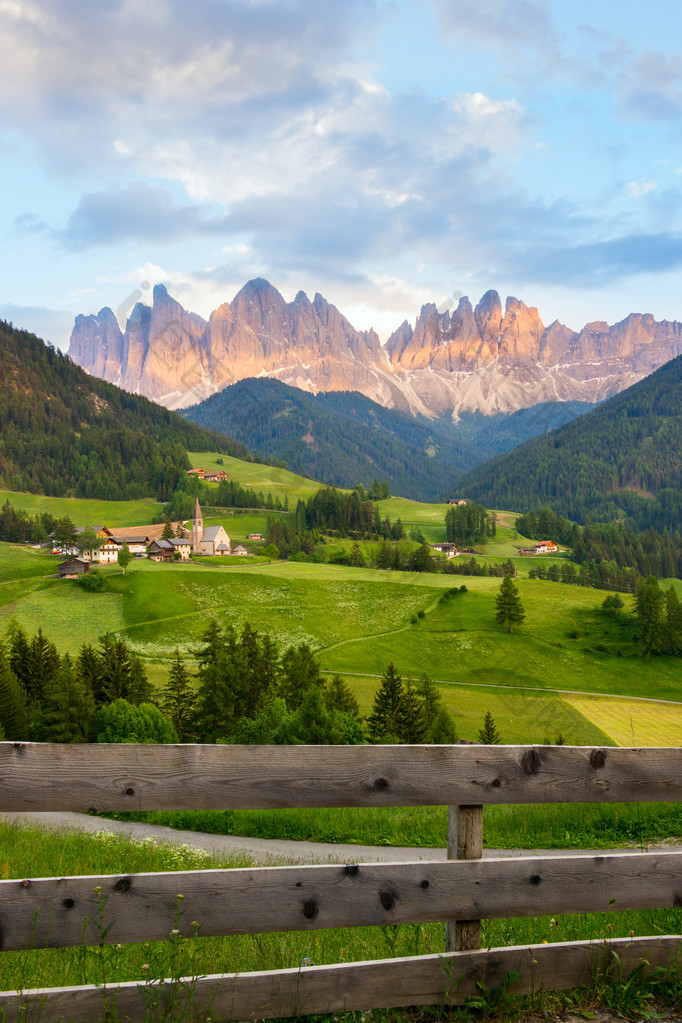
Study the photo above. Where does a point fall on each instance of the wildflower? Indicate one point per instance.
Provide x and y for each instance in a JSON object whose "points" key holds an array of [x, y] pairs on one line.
{"points": [[145, 966], [98, 889], [305, 961], [174, 932], [179, 898]]}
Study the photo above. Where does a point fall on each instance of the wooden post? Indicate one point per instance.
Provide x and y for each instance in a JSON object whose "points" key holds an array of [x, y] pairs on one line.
{"points": [[465, 842]]}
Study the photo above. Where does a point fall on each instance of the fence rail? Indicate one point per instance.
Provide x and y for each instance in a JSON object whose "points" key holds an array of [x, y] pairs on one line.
{"points": [[51, 912]]}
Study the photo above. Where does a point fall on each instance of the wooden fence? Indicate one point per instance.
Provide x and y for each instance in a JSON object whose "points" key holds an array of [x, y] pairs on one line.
{"points": [[462, 890]]}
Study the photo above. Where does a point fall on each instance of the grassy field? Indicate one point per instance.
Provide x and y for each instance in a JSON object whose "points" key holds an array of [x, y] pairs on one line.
{"points": [[279, 482], [631, 723], [357, 619], [30, 852], [84, 512]]}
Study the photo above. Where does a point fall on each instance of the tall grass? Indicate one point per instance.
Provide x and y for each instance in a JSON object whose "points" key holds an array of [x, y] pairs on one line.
{"points": [[564, 826]]}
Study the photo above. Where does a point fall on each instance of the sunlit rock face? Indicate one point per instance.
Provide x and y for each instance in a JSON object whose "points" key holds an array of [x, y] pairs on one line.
{"points": [[483, 358]]}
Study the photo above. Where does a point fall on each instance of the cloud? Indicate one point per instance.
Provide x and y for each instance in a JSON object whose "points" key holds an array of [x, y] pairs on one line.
{"points": [[137, 212], [52, 325], [595, 264]]}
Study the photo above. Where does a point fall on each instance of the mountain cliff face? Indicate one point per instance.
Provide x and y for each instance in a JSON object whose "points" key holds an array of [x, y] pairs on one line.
{"points": [[470, 359]]}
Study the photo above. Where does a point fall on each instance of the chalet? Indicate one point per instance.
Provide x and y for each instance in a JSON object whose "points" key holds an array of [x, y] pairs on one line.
{"points": [[214, 540], [215, 477], [545, 547], [448, 549], [457, 500], [196, 472], [165, 550], [255, 536], [72, 568]]}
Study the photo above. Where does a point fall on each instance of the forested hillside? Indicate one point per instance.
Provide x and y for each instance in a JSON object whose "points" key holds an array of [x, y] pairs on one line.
{"points": [[63, 432], [344, 438], [622, 460]]}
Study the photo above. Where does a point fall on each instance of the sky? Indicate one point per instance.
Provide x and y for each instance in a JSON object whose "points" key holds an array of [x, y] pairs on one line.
{"points": [[385, 153]]}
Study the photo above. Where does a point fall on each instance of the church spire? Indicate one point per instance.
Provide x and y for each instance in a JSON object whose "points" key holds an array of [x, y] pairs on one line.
{"points": [[197, 528]]}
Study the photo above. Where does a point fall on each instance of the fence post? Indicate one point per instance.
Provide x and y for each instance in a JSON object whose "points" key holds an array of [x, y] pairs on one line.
{"points": [[465, 842]]}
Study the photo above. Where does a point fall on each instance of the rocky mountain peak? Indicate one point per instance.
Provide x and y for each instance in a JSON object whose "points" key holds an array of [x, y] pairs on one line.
{"points": [[474, 358]]}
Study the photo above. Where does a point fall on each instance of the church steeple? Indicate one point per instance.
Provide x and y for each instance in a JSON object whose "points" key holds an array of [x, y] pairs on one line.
{"points": [[197, 528]]}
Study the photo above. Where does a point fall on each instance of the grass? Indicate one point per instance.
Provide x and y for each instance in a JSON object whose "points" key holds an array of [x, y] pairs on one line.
{"points": [[84, 511], [632, 724], [28, 851], [564, 826], [279, 482]]}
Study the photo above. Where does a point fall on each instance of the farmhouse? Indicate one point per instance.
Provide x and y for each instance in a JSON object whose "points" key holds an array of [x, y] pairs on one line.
{"points": [[255, 536], [215, 477], [165, 550], [448, 549], [457, 500], [545, 547]]}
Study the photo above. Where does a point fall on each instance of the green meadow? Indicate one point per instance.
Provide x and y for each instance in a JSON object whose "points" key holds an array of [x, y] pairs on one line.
{"points": [[279, 482], [85, 512]]}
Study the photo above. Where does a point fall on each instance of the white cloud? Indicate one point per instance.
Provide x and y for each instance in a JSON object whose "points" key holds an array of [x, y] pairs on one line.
{"points": [[636, 189]]}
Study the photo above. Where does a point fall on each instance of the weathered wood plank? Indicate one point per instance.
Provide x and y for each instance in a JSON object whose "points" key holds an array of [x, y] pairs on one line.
{"points": [[465, 842], [42, 776], [425, 980], [140, 907]]}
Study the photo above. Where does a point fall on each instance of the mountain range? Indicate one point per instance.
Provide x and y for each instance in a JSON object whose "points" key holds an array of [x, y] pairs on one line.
{"points": [[483, 358]]}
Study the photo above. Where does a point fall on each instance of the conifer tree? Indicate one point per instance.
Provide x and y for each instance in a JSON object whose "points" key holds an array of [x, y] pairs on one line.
{"points": [[178, 700], [300, 675], [339, 696], [167, 533], [509, 609], [442, 728], [489, 734], [68, 707], [673, 617], [649, 603], [14, 719], [383, 721], [410, 718]]}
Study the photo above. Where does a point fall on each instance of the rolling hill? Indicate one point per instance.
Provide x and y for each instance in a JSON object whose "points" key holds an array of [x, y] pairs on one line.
{"points": [[344, 438], [63, 432], [621, 460]]}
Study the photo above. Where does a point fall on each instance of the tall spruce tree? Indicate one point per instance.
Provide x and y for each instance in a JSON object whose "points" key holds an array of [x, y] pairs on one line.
{"points": [[489, 734], [14, 718], [509, 609], [178, 700], [410, 718], [383, 722], [68, 707]]}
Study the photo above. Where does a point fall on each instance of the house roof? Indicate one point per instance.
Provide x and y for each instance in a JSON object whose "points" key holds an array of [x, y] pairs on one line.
{"points": [[240, 547], [177, 542], [130, 539], [222, 547]]}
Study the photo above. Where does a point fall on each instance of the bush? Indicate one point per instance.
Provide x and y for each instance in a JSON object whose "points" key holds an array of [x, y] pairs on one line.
{"points": [[93, 581]]}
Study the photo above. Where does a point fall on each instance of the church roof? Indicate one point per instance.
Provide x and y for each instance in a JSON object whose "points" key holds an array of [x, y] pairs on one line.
{"points": [[211, 533], [197, 509]]}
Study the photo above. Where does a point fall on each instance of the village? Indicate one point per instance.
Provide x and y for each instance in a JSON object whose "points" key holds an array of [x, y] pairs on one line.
{"points": [[209, 541]]}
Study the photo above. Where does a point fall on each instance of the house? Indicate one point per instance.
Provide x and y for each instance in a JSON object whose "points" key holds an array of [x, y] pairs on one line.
{"points": [[72, 568], [457, 500], [214, 540], [545, 547], [255, 536], [215, 477], [239, 549], [196, 472], [445, 548], [165, 550]]}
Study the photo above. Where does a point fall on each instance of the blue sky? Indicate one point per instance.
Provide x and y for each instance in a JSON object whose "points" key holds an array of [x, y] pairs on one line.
{"points": [[385, 153]]}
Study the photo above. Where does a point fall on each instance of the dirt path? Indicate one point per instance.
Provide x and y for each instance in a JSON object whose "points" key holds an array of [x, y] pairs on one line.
{"points": [[277, 851]]}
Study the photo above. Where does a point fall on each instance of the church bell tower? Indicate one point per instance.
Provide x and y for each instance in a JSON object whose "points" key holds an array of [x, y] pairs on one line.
{"points": [[197, 528]]}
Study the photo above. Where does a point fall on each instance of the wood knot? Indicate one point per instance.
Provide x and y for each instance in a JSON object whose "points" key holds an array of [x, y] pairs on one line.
{"points": [[597, 758], [352, 869], [25, 884], [531, 762], [423, 884], [496, 783], [535, 879], [310, 909], [123, 884], [130, 791], [68, 903], [387, 899], [380, 784]]}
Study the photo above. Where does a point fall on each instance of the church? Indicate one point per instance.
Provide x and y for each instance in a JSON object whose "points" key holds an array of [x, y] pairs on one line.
{"points": [[212, 540]]}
